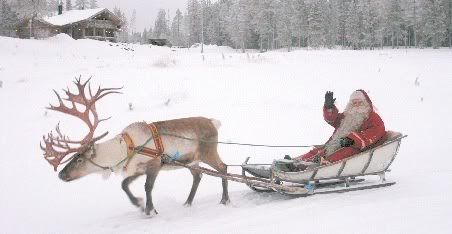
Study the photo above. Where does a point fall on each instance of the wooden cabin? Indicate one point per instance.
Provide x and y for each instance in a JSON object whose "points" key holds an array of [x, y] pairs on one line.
{"points": [[98, 24]]}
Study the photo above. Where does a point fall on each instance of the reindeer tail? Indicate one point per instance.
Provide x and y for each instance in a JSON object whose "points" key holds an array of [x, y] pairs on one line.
{"points": [[216, 123]]}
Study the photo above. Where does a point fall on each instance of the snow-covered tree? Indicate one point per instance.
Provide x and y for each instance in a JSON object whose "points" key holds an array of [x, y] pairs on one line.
{"points": [[330, 22], [177, 37], [394, 22], [371, 24], [81, 4], [193, 22], [434, 27], [315, 24], [300, 21], [8, 19], [52, 7], [240, 23], [284, 23], [161, 29], [144, 36], [93, 4], [133, 19], [68, 5], [123, 35]]}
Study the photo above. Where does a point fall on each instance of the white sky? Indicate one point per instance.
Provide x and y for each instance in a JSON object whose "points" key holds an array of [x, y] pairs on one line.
{"points": [[146, 9]]}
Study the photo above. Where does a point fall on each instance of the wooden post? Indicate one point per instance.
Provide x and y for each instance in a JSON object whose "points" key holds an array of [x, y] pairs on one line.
{"points": [[83, 33], [103, 33]]}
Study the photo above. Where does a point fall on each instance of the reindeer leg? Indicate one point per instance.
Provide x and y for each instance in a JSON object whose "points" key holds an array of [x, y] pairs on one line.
{"points": [[138, 202], [218, 165], [196, 179], [151, 175]]}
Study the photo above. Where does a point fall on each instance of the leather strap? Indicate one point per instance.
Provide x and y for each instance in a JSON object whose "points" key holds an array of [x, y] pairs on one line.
{"points": [[153, 153]]}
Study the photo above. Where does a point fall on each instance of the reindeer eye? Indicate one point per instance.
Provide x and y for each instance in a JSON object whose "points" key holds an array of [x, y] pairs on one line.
{"points": [[79, 160]]}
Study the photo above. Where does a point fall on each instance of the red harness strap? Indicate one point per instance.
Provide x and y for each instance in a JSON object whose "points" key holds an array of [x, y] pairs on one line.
{"points": [[153, 153]]}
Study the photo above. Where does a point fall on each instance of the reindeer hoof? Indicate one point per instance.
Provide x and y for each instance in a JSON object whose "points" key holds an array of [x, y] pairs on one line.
{"points": [[138, 202], [151, 212], [225, 201], [186, 204]]}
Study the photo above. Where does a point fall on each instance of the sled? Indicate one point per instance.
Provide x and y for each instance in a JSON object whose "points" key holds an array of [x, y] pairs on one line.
{"points": [[349, 174]]}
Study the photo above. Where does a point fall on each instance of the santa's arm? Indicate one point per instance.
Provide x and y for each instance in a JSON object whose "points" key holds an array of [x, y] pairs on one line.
{"points": [[370, 135], [332, 116]]}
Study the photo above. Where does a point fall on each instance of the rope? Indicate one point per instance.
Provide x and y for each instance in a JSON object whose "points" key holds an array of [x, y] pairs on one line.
{"points": [[236, 143]]}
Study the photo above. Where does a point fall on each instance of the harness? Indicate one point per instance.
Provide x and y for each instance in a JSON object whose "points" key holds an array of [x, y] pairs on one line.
{"points": [[141, 149], [153, 153]]}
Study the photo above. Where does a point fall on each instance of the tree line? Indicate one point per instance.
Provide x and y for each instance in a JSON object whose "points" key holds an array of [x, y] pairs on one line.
{"points": [[275, 24], [355, 24]]}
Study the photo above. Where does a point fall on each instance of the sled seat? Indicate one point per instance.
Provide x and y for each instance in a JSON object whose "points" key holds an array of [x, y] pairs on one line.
{"points": [[375, 160]]}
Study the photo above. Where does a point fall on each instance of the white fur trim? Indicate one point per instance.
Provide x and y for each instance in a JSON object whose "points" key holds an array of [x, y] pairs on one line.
{"points": [[363, 144], [358, 95]]}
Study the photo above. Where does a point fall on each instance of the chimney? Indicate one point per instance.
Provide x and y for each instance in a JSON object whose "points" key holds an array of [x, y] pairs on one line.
{"points": [[60, 8]]}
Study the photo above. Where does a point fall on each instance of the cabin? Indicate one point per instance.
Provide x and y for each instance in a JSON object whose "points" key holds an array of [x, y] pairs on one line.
{"points": [[98, 24]]}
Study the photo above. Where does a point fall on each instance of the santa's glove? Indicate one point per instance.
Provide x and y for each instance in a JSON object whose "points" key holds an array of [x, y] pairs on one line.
{"points": [[329, 100], [346, 142]]}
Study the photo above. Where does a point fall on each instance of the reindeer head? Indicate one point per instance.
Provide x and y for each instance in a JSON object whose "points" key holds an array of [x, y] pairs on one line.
{"points": [[58, 146]]}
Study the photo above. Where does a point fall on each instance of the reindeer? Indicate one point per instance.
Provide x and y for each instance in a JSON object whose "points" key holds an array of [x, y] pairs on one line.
{"points": [[187, 141]]}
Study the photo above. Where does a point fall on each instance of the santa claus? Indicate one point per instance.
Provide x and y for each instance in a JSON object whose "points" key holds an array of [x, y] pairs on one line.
{"points": [[356, 129]]}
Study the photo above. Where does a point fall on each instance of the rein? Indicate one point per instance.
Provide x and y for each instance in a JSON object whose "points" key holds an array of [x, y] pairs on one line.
{"points": [[158, 152]]}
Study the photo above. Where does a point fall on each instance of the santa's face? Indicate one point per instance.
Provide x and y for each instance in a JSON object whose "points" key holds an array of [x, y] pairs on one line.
{"points": [[357, 102]]}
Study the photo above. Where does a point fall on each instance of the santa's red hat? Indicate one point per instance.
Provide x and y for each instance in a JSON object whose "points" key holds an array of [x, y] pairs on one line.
{"points": [[361, 94]]}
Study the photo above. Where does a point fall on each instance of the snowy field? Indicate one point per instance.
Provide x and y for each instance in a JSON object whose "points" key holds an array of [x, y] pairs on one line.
{"points": [[270, 98]]}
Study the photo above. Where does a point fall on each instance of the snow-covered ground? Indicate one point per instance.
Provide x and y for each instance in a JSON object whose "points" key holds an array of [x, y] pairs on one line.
{"points": [[271, 98]]}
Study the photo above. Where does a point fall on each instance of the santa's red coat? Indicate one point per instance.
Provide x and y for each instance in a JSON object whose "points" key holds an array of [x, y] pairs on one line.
{"points": [[372, 131]]}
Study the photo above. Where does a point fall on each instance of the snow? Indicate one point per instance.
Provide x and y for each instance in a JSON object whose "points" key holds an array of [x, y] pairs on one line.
{"points": [[270, 98], [72, 16]]}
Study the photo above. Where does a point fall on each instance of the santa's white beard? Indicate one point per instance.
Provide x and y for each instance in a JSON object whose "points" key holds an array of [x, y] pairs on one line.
{"points": [[354, 117]]}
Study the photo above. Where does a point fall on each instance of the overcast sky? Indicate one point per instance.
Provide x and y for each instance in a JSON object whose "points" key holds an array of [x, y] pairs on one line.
{"points": [[146, 9]]}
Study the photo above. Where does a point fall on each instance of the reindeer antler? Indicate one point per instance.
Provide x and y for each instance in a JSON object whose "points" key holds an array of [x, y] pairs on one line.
{"points": [[59, 146]]}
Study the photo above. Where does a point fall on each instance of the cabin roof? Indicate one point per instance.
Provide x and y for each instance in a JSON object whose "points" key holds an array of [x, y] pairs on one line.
{"points": [[74, 16]]}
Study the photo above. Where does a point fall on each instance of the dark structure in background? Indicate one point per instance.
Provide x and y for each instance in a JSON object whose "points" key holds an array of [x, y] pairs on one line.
{"points": [[160, 42]]}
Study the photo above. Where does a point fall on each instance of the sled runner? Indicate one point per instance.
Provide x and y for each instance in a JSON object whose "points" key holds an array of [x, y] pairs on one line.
{"points": [[340, 176]]}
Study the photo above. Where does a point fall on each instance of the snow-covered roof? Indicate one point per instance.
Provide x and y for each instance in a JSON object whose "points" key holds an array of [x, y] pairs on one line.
{"points": [[73, 16]]}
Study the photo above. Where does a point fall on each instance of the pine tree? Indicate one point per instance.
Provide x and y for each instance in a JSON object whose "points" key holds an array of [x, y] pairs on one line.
{"points": [[240, 23], [434, 25], [144, 36], [123, 35], [52, 7], [284, 23], [133, 19], [81, 4], [264, 23], [330, 22], [370, 23], [300, 21], [93, 4], [161, 28], [394, 22], [193, 22], [8, 19], [448, 8], [177, 37], [315, 21], [68, 5]]}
